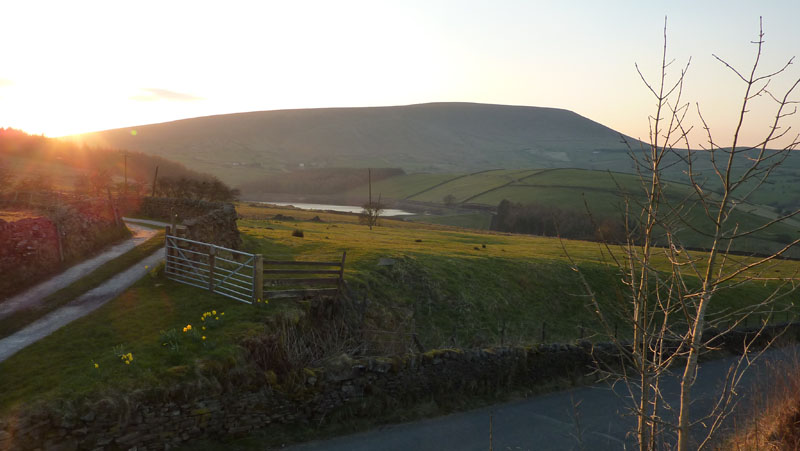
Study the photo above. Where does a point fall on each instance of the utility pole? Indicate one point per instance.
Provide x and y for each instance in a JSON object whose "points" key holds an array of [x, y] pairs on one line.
{"points": [[155, 179], [369, 205]]}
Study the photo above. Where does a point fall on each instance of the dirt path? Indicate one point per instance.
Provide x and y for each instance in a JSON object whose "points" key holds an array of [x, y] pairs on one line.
{"points": [[34, 295], [85, 303]]}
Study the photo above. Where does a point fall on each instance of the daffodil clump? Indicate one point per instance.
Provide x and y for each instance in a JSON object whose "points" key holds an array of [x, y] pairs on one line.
{"points": [[197, 333], [125, 357], [261, 303], [211, 319]]}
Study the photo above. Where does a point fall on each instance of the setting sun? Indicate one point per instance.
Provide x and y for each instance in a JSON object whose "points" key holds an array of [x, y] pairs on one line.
{"points": [[96, 65]]}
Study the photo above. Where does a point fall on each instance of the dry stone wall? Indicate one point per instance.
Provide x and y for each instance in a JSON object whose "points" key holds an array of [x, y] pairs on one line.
{"points": [[209, 222], [244, 402], [29, 248], [252, 403]]}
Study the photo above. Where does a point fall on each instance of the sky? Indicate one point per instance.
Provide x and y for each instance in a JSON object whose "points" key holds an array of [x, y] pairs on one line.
{"points": [[78, 66]]}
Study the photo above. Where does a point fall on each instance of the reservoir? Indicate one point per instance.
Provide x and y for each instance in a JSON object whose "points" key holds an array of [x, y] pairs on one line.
{"points": [[343, 208]]}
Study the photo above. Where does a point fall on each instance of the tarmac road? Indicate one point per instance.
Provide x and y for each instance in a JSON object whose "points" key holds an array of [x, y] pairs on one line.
{"points": [[590, 418]]}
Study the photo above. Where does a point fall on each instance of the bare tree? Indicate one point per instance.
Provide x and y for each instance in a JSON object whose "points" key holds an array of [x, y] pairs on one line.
{"points": [[100, 181], [671, 287], [370, 213]]}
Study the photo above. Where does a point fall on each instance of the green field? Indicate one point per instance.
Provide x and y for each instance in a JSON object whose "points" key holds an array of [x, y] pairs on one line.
{"points": [[490, 187], [571, 189]]}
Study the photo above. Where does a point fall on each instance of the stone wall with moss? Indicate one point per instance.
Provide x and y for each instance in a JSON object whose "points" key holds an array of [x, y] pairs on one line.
{"points": [[29, 248], [209, 222]]}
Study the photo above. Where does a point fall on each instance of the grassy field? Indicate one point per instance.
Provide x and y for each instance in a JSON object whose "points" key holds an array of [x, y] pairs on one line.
{"points": [[467, 187], [475, 221], [146, 321], [451, 286], [525, 185]]}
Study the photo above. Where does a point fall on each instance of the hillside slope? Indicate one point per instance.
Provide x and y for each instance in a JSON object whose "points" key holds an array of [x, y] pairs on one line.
{"points": [[434, 137]]}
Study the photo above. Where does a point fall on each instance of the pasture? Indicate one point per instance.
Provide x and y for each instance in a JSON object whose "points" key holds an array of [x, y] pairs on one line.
{"points": [[449, 286]]}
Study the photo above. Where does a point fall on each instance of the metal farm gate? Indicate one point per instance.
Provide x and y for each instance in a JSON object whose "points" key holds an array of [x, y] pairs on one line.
{"points": [[235, 274], [241, 276]]}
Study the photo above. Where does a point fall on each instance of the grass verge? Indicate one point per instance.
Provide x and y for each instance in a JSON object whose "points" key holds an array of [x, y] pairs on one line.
{"points": [[18, 320]]}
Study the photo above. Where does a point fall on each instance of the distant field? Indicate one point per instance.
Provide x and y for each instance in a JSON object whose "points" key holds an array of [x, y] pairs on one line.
{"points": [[463, 189], [522, 185], [572, 189], [477, 221], [401, 187]]}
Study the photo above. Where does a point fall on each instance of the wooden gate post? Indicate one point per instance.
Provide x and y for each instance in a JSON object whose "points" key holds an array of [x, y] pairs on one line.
{"points": [[341, 270], [258, 277], [212, 251]]}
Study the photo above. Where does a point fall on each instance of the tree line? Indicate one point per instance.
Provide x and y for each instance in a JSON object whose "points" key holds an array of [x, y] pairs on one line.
{"points": [[32, 163], [548, 220]]}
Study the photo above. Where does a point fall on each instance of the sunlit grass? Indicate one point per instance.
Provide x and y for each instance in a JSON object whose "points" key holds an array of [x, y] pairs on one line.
{"points": [[62, 365], [399, 238]]}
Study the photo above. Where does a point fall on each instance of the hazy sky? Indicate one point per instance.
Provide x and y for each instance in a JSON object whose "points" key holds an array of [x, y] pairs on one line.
{"points": [[74, 66]]}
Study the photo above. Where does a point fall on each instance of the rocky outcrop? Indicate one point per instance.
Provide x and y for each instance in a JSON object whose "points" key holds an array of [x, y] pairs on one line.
{"points": [[209, 222]]}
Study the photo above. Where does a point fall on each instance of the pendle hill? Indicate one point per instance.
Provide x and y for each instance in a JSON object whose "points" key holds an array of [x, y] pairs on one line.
{"points": [[434, 137], [245, 149]]}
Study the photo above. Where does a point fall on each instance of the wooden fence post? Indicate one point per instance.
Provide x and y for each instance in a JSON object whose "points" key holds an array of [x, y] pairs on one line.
{"points": [[258, 277], [211, 256], [341, 270]]}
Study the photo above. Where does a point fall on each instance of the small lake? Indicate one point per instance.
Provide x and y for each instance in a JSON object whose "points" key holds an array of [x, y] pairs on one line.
{"points": [[343, 208]]}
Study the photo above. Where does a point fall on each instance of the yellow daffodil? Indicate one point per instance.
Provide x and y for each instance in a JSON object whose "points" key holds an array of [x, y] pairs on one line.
{"points": [[127, 362], [204, 337], [213, 312], [96, 365], [217, 318]]}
